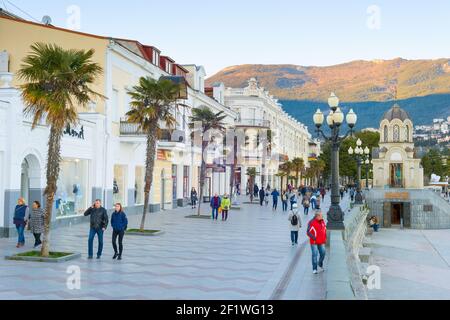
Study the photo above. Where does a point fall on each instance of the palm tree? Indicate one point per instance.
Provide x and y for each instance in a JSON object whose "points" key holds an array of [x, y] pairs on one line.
{"points": [[208, 120], [251, 173], [298, 165], [283, 171], [152, 103], [57, 81], [316, 168]]}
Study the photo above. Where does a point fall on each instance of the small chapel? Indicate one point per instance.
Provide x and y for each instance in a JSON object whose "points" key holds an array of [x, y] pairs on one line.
{"points": [[394, 162]]}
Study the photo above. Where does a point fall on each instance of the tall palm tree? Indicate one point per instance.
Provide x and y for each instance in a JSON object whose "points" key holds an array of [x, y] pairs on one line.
{"points": [[152, 103], [208, 120], [251, 173], [298, 165], [316, 169], [57, 81]]}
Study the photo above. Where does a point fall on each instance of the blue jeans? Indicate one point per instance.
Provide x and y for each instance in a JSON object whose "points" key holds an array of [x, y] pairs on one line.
{"points": [[20, 231], [375, 227], [285, 205], [92, 233], [215, 213], [294, 236], [305, 210], [275, 204], [313, 203], [317, 249]]}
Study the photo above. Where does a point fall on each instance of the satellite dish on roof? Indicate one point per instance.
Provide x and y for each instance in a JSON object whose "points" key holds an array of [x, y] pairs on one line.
{"points": [[46, 20]]}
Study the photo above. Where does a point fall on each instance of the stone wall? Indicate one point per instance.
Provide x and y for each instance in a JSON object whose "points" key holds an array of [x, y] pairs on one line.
{"points": [[437, 218]]}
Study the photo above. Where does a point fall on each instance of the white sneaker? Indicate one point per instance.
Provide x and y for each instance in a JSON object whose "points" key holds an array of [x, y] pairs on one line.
{"points": [[321, 269], [315, 271]]}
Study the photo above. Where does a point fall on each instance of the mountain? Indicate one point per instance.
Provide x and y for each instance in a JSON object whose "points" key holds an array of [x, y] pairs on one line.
{"points": [[356, 81]]}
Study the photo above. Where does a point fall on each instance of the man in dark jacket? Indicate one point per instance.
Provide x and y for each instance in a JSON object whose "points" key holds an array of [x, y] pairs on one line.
{"points": [[215, 205], [99, 222], [262, 194]]}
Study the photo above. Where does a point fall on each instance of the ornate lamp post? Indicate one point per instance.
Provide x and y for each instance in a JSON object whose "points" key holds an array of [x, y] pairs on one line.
{"points": [[334, 120], [359, 152], [368, 162]]}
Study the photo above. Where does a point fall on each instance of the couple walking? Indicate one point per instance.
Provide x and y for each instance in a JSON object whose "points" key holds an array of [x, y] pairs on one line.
{"points": [[99, 223], [218, 204], [34, 220], [316, 232]]}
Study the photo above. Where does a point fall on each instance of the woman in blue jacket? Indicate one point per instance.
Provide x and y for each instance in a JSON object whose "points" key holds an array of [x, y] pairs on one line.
{"points": [[119, 223]]}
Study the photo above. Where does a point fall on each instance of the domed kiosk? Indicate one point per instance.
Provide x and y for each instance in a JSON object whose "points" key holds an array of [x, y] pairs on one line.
{"points": [[398, 197]]}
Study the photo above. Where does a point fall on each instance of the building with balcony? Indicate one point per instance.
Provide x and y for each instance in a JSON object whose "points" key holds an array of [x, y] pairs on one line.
{"points": [[260, 114], [104, 156]]}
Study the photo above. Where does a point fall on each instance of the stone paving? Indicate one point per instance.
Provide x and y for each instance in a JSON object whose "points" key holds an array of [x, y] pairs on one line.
{"points": [[247, 257], [415, 264]]}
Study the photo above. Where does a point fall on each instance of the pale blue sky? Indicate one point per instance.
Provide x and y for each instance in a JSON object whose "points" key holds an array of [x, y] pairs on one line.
{"points": [[218, 34]]}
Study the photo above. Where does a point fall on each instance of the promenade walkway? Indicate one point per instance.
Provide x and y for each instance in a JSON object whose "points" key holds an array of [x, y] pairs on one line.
{"points": [[247, 257]]}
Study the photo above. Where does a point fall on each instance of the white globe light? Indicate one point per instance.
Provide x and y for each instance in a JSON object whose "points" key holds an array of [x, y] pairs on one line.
{"points": [[330, 119], [358, 142], [338, 117], [367, 150], [333, 101], [351, 118], [318, 118], [367, 161], [350, 150]]}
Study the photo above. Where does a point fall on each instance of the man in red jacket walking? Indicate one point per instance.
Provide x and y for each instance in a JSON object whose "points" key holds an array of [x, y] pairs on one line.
{"points": [[317, 233]]}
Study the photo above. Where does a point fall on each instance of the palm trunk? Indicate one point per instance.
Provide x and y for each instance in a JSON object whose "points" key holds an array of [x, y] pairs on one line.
{"points": [[149, 165], [53, 166], [297, 172], [252, 187], [202, 176]]}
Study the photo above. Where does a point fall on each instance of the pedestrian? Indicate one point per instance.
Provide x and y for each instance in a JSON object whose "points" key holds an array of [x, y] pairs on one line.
{"points": [[21, 216], [37, 222], [352, 194], [215, 205], [374, 223], [225, 205], [275, 194], [255, 190], [295, 224], [317, 233], [194, 198], [292, 197], [341, 191], [313, 201], [306, 204], [262, 194], [98, 225], [119, 224], [284, 200], [322, 193], [266, 197]]}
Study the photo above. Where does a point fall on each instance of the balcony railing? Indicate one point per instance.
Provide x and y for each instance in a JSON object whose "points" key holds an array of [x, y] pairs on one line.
{"points": [[132, 129], [253, 123]]}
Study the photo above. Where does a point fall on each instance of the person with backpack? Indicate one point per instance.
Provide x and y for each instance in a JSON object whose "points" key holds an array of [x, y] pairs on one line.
{"points": [[225, 205], [215, 205], [119, 223], [295, 224], [317, 233], [313, 200], [306, 204], [275, 194], [292, 198], [284, 200]]}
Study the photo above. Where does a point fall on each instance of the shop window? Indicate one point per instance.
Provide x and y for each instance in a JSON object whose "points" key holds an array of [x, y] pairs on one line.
{"points": [[72, 188], [185, 182], [139, 185], [119, 185]]}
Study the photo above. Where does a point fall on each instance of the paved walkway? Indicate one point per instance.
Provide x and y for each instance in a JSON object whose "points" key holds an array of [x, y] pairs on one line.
{"points": [[247, 257], [415, 264]]}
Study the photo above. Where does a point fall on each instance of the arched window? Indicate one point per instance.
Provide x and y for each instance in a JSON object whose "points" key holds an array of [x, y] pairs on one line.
{"points": [[407, 133], [396, 134], [385, 134]]}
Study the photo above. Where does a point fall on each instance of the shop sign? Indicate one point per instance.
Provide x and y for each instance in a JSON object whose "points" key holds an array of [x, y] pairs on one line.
{"points": [[74, 133], [164, 155], [397, 195]]}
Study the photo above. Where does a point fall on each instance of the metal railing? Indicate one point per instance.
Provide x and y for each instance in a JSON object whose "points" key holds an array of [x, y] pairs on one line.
{"points": [[253, 123], [132, 129]]}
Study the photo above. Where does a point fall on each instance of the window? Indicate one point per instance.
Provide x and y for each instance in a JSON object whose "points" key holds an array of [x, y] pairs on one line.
{"points": [[72, 188], [396, 134], [168, 66], [385, 134], [407, 133], [185, 181], [155, 57], [119, 185], [139, 184]]}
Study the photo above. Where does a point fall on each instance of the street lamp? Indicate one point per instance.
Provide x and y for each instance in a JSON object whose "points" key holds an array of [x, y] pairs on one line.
{"points": [[367, 163], [358, 152], [334, 120]]}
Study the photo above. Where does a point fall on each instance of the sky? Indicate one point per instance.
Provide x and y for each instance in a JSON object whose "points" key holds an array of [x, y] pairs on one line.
{"points": [[218, 34]]}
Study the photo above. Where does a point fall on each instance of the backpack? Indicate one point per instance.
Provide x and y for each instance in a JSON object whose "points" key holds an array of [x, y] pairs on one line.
{"points": [[294, 220]]}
